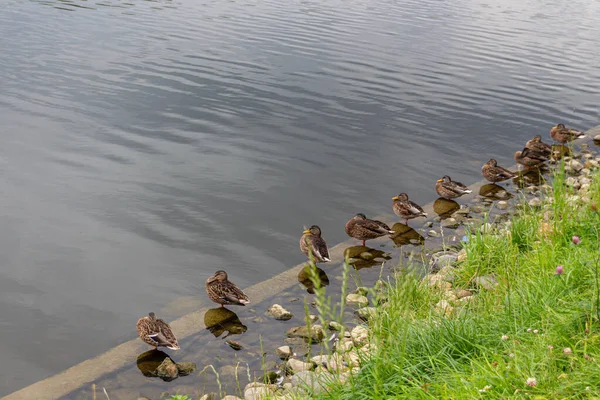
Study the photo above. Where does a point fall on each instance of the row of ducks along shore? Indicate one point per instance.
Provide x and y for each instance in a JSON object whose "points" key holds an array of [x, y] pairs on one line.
{"points": [[157, 333]]}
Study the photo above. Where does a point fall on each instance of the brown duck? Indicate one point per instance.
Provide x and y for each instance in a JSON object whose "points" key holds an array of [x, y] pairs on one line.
{"points": [[156, 332], [224, 292], [562, 134], [311, 242], [530, 158], [361, 228], [495, 173], [449, 189], [404, 208], [538, 146]]}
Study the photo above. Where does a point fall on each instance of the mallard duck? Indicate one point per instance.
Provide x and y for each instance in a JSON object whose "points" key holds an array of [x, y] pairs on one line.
{"points": [[538, 146], [311, 240], [530, 158], [495, 173], [562, 134], [404, 208], [224, 292], [361, 228], [156, 332], [449, 189]]}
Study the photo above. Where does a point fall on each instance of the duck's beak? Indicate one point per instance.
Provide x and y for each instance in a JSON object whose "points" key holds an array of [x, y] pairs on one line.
{"points": [[306, 232], [395, 198], [440, 180]]}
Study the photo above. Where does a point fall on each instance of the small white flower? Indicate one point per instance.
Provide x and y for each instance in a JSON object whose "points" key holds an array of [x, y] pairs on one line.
{"points": [[504, 337], [531, 382], [511, 355], [528, 330], [485, 389], [536, 331], [567, 351], [550, 347]]}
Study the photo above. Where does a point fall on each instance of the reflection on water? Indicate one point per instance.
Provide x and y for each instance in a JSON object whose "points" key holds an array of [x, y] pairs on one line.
{"points": [[495, 192], [364, 257], [404, 234], [220, 320], [149, 361], [155, 363], [444, 208], [532, 177], [311, 274]]}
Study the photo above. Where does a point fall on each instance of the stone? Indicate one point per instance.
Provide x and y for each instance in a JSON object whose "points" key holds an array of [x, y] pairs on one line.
{"points": [[572, 182], [502, 205], [311, 381], [597, 138], [359, 335], [167, 370], [436, 280], [450, 223], [316, 332], [485, 228], [428, 224], [442, 258], [463, 293], [270, 377], [366, 256], [257, 391], [444, 307], [294, 365], [185, 368], [432, 233], [284, 352], [361, 290], [355, 298], [312, 318], [344, 345], [279, 313], [335, 326], [447, 273], [208, 396], [234, 345], [487, 282], [535, 202], [229, 397], [574, 165], [462, 255], [366, 313]]}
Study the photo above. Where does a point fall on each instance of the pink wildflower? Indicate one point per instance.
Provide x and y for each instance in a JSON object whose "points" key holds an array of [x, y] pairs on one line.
{"points": [[559, 270], [576, 240]]}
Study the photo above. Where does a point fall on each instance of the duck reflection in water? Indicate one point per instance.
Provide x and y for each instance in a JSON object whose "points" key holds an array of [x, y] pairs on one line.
{"points": [[311, 277], [220, 320], [494, 192], [406, 235], [155, 363], [364, 257], [532, 177], [445, 207]]}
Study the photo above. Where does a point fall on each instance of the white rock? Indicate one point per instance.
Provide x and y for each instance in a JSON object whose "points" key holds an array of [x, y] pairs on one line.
{"points": [[572, 182], [279, 313], [360, 335], [574, 165], [297, 365], [535, 202], [355, 298], [257, 391], [462, 255], [502, 205], [485, 228], [335, 326], [284, 352], [444, 307]]}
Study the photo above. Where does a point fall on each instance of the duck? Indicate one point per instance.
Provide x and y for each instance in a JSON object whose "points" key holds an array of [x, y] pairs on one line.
{"points": [[529, 158], [562, 134], [311, 242], [495, 173], [404, 208], [449, 189], [361, 228], [538, 146], [224, 292], [156, 332]]}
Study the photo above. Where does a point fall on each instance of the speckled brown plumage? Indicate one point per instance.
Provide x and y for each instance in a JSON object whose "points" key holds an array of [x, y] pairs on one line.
{"points": [[529, 158], [224, 292], [449, 189], [404, 208], [156, 332], [312, 244], [538, 146], [361, 228], [495, 173], [562, 134]]}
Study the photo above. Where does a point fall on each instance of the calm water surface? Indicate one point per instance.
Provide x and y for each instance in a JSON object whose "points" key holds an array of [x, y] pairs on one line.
{"points": [[146, 144]]}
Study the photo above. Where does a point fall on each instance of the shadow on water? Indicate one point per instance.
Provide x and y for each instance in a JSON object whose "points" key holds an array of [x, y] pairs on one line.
{"points": [[304, 278], [533, 177], [220, 320], [364, 257], [149, 362], [404, 234], [494, 192], [444, 208]]}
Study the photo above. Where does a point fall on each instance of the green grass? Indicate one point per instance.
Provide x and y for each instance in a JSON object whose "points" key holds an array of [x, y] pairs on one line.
{"points": [[422, 354]]}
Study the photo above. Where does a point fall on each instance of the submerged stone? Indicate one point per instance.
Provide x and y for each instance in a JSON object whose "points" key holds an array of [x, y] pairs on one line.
{"points": [[355, 298], [284, 352], [315, 333], [167, 370], [185, 368]]}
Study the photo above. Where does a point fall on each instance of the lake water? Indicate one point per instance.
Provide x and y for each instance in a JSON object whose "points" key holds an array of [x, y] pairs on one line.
{"points": [[146, 144]]}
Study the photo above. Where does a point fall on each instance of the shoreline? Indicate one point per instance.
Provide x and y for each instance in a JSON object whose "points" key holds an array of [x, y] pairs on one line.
{"points": [[122, 355]]}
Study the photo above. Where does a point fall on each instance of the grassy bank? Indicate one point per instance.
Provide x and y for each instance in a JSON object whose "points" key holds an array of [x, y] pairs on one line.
{"points": [[536, 334]]}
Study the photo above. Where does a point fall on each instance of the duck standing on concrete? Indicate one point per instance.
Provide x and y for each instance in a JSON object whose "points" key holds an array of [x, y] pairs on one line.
{"points": [[311, 243], [562, 134], [361, 228], [224, 292], [156, 332], [404, 208], [449, 189], [495, 173]]}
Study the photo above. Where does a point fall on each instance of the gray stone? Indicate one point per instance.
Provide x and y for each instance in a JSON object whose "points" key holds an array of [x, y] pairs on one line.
{"points": [[229, 397], [428, 224], [234, 345], [432, 233], [535, 202], [441, 259], [359, 335], [296, 365], [284, 352], [444, 307], [450, 223], [366, 313], [354, 298], [278, 312], [597, 138], [257, 391], [167, 370], [463, 293], [572, 182], [502, 205], [574, 165], [208, 396], [185, 368], [311, 381], [487, 282], [485, 228], [335, 326], [316, 332]]}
